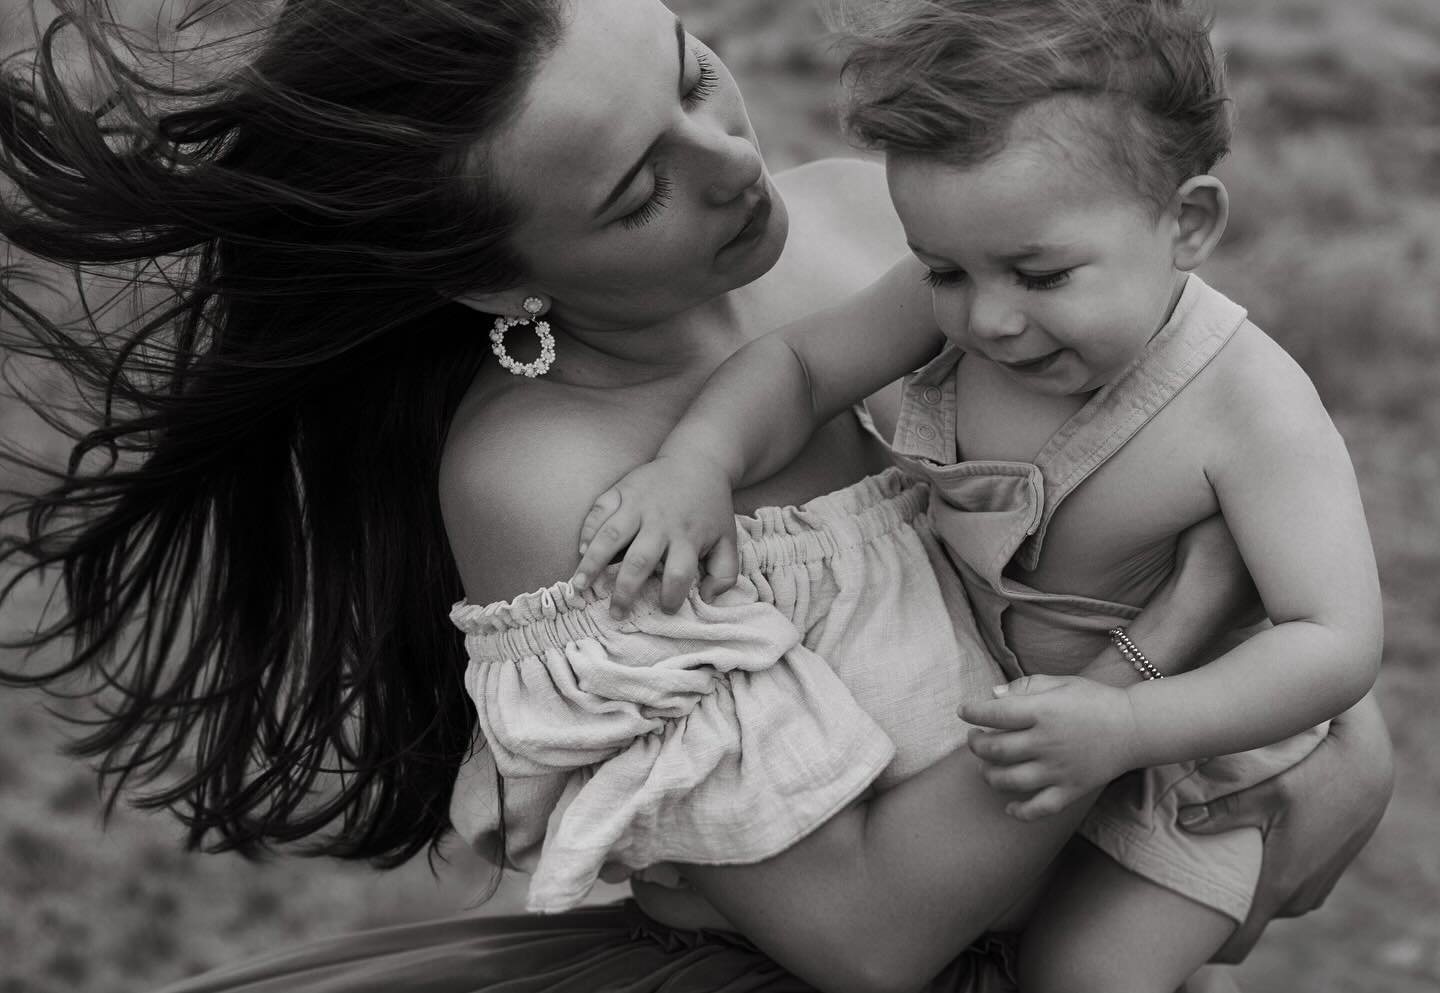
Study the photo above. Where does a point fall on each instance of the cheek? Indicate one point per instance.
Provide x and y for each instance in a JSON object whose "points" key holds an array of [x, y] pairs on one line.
{"points": [[652, 256], [950, 313], [727, 96]]}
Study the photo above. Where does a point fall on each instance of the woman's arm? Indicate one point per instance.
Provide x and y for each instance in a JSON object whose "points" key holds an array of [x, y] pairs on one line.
{"points": [[934, 862], [886, 893], [883, 895], [1315, 816]]}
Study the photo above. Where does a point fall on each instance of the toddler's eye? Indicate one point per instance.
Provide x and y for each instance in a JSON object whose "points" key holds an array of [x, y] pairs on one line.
{"points": [[949, 277], [704, 82], [1044, 280]]}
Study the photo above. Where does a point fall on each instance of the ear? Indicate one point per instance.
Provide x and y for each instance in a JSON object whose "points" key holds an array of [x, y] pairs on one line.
{"points": [[504, 303], [1201, 210]]}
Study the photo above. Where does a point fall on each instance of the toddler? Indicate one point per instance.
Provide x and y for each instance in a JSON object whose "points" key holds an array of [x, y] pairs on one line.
{"points": [[1081, 398]]}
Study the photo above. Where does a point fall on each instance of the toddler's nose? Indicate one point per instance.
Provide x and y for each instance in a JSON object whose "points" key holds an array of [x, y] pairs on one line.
{"points": [[994, 317]]}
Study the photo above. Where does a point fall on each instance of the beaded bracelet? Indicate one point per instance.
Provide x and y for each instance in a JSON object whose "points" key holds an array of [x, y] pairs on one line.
{"points": [[1133, 655]]}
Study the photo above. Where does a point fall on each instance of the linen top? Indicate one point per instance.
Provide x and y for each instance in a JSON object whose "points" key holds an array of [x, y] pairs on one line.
{"points": [[725, 732]]}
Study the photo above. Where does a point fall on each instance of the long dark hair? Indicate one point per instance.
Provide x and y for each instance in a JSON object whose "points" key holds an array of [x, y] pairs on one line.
{"points": [[248, 531]]}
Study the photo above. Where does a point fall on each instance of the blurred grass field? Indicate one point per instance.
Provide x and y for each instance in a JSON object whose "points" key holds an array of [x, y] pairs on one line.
{"points": [[1334, 247]]}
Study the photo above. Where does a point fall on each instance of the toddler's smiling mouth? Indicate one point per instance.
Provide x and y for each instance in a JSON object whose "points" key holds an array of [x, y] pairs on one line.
{"points": [[1040, 363]]}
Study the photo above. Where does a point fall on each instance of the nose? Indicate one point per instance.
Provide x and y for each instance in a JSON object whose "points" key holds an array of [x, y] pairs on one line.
{"points": [[731, 165], [994, 314]]}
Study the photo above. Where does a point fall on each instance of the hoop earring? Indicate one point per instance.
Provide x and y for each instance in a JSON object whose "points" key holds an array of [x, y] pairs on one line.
{"points": [[533, 306]]}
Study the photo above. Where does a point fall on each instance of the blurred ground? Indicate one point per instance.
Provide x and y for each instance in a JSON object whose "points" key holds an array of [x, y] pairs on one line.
{"points": [[1335, 249]]}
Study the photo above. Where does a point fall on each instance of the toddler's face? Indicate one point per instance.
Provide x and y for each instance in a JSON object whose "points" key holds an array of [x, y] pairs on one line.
{"points": [[1038, 265]]}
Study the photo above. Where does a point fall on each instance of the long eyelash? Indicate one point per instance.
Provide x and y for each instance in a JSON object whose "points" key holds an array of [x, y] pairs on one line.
{"points": [[705, 85], [646, 212], [938, 279], [1046, 281]]}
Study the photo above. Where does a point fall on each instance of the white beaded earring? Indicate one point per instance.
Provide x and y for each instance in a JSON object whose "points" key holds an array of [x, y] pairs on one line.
{"points": [[533, 306]]}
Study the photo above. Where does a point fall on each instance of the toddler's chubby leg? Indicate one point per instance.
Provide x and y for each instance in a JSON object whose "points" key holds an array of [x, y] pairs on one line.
{"points": [[1100, 928]]}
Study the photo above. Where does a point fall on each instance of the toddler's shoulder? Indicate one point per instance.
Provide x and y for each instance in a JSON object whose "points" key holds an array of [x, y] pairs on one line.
{"points": [[1253, 372], [1255, 391]]}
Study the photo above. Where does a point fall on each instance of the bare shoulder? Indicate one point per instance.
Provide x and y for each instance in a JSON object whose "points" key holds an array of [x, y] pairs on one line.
{"points": [[857, 181], [844, 200], [1260, 398], [519, 473]]}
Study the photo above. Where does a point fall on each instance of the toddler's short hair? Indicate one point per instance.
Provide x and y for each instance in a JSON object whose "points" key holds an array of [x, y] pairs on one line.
{"points": [[947, 79]]}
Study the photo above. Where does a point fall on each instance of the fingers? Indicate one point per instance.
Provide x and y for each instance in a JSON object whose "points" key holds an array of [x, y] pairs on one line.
{"points": [[1046, 803], [1242, 940], [1253, 807], [1007, 713], [1024, 778], [611, 533], [682, 568], [1011, 710], [1030, 685], [722, 568], [1001, 747], [639, 565], [647, 550], [605, 505]]}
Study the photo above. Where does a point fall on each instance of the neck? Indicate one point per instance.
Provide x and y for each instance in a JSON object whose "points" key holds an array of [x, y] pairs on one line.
{"points": [[1177, 289], [691, 344]]}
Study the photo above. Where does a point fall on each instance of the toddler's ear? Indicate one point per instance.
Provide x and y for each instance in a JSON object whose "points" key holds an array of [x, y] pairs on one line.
{"points": [[1201, 209]]}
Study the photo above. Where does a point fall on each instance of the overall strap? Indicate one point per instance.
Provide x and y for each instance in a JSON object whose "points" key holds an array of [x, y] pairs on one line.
{"points": [[925, 426], [1203, 321]]}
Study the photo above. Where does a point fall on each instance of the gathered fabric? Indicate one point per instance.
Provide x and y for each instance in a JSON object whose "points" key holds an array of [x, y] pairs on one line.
{"points": [[727, 731]]}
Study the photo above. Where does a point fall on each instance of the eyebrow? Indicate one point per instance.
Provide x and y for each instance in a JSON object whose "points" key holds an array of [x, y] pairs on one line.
{"points": [[1025, 252], [634, 170]]}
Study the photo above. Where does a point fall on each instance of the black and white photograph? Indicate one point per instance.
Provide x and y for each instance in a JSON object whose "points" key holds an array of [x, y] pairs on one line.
{"points": [[719, 496]]}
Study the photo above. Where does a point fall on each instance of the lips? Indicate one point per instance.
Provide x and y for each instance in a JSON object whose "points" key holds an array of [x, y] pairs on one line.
{"points": [[755, 220], [1031, 366]]}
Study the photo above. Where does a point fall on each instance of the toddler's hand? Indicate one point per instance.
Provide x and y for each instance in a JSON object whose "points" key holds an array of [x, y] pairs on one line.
{"points": [[1056, 738], [676, 510]]}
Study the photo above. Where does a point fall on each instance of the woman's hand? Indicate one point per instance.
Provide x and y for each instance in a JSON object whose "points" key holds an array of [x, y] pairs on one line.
{"points": [[1315, 816], [676, 510], [1056, 738]]}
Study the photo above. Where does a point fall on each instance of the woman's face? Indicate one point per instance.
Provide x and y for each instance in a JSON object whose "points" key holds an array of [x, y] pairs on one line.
{"points": [[640, 187]]}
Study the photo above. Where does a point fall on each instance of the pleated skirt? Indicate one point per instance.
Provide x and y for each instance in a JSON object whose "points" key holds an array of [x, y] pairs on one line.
{"points": [[607, 949]]}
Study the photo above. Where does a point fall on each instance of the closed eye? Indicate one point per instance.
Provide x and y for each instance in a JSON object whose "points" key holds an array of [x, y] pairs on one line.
{"points": [[937, 278], [705, 81], [656, 202], [1044, 280]]}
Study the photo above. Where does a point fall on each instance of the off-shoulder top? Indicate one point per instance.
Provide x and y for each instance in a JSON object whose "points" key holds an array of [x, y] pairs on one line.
{"points": [[727, 731]]}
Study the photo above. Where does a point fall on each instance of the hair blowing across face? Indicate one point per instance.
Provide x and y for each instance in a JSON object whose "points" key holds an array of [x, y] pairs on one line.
{"points": [[947, 78], [255, 571]]}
